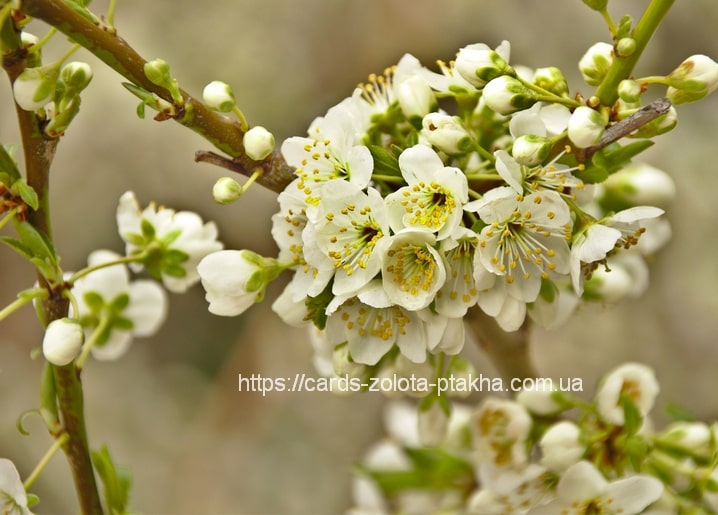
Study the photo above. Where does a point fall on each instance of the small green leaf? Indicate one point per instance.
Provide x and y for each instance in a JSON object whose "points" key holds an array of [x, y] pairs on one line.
{"points": [[17, 246], [26, 193], [10, 172], [385, 162], [115, 480], [596, 5], [32, 500], [317, 306], [624, 27]]}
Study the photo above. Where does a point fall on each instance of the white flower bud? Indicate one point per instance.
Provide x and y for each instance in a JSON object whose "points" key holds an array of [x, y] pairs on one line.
{"points": [[692, 436], [661, 125], [551, 79], [500, 429], [611, 286], [258, 143], [640, 184], [35, 87], [226, 190], [585, 127], [634, 380], [595, 63], [479, 64], [625, 47], [531, 150], [415, 96], [219, 96], [63, 341], [446, 133], [561, 446], [539, 401], [76, 76], [506, 95], [343, 366], [695, 78]]}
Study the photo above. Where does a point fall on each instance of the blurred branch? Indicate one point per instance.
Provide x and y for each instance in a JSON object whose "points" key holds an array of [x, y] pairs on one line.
{"points": [[509, 352], [277, 174], [223, 132]]}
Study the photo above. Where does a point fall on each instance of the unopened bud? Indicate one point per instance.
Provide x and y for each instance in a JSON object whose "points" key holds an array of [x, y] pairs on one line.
{"points": [[446, 133], [639, 184], [158, 72], [585, 127], [625, 47], [63, 341], [415, 96], [258, 143], [661, 125], [629, 91], [226, 190], [695, 78], [506, 95], [219, 96], [75, 76], [561, 446], [531, 150], [595, 63], [551, 79], [479, 64]]}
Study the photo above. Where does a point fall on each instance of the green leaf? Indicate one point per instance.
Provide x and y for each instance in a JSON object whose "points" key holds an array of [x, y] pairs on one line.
{"points": [[26, 193], [624, 27], [9, 172], [317, 306], [116, 481], [385, 162], [17, 246], [596, 5]]}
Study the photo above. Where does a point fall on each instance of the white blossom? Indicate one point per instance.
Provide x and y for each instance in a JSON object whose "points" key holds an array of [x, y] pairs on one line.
{"points": [[175, 241], [478, 63], [13, 498], [561, 446], [595, 63], [62, 341], [582, 490], [635, 381], [500, 429], [433, 197]]}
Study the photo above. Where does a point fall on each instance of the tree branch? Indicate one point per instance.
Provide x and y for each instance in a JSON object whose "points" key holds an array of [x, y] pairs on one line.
{"points": [[223, 132]]}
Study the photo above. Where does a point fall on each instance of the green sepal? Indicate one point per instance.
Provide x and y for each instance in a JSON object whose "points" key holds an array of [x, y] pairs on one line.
{"points": [[174, 271], [385, 162], [677, 413], [624, 28], [632, 417], [119, 303], [170, 237], [116, 481], [122, 323], [94, 301], [548, 291], [148, 230], [317, 306]]}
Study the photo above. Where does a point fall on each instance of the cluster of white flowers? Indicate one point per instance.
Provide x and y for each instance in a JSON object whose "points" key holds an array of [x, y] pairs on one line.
{"points": [[425, 194], [109, 310], [509, 456]]}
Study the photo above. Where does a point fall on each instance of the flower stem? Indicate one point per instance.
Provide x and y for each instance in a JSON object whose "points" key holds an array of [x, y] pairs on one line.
{"points": [[622, 67], [91, 341], [56, 445], [29, 295], [119, 261]]}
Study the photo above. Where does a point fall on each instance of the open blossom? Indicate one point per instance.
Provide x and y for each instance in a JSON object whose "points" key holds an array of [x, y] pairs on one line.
{"points": [[633, 380], [620, 230], [524, 179], [332, 151], [13, 498], [500, 429], [412, 269], [174, 242], [371, 325], [460, 290], [433, 197], [134, 308], [524, 240], [478, 63], [582, 490], [349, 228]]}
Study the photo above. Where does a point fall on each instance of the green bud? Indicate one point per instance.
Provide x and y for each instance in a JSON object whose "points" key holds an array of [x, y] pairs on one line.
{"points": [[551, 79], [506, 95], [595, 63], [695, 78], [625, 47], [531, 150], [226, 190], [158, 72], [629, 91], [75, 76]]}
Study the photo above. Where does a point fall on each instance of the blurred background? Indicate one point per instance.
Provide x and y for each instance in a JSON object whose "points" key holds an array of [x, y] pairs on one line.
{"points": [[170, 409]]}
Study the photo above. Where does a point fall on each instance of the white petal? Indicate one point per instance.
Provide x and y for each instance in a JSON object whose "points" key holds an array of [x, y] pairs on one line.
{"points": [[582, 482], [147, 308], [115, 347], [637, 213], [419, 163], [599, 241], [633, 494]]}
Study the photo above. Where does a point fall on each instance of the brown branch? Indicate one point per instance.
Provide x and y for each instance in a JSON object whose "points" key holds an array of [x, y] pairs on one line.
{"points": [[223, 132], [277, 174], [509, 352]]}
